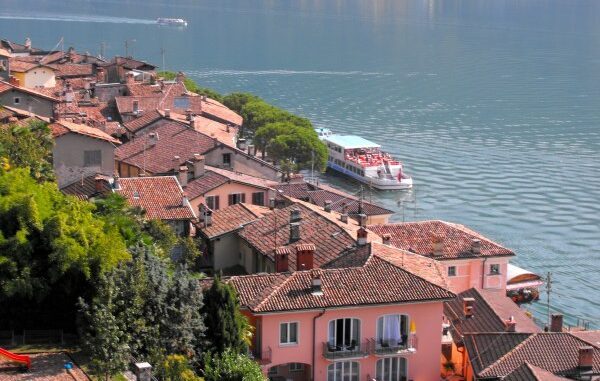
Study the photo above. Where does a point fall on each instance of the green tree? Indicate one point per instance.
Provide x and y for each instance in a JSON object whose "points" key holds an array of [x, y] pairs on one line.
{"points": [[237, 101], [105, 340], [177, 368], [224, 325], [231, 366], [29, 146]]}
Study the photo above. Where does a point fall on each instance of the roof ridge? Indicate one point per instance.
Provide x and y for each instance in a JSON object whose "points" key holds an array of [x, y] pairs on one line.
{"points": [[274, 290], [496, 363], [489, 305]]}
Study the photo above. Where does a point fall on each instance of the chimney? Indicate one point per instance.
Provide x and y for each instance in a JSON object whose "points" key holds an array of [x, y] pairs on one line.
{"points": [[189, 115], [241, 144], [184, 200], [152, 139], [250, 150], [180, 77], [316, 287], [386, 238], [183, 176], [468, 307], [100, 75], [294, 231], [99, 184], [476, 246], [28, 43], [362, 220], [136, 106], [361, 236], [193, 123], [176, 164], [586, 358], [305, 256], [167, 113], [271, 203], [556, 324], [437, 245], [282, 255], [198, 165], [344, 218], [510, 324], [129, 79], [14, 81], [295, 215], [207, 218], [328, 206], [116, 182]]}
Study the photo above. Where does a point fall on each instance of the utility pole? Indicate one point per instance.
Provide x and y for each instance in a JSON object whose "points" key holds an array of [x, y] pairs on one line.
{"points": [[127, 47], [548, 290], [360, 201]]}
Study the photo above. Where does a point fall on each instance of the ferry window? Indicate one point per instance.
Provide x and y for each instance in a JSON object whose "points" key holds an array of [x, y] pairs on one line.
{"points": [[452, 271], [494, 269]]}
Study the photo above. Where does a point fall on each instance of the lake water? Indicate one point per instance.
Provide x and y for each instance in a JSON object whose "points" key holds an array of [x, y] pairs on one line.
{"points": [[493, 105]]}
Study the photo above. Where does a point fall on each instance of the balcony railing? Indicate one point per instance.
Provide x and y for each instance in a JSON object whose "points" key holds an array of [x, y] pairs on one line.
{"points": [[353, 350], [263, 357], [407, 344]]}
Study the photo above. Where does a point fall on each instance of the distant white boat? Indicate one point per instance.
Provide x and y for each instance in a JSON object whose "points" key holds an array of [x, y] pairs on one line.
{"points": [[168, 21], [363, 160]]}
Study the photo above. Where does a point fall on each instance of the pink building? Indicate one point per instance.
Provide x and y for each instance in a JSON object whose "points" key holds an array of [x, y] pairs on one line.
{"points": [[378, 317], [470, 260]]}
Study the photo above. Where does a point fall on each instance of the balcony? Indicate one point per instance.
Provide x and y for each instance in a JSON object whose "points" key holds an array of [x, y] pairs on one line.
{"points": [[354, 350], [407, 344], [264, 357]]}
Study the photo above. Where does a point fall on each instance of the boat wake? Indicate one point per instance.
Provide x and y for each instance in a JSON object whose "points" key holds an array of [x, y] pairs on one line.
{"points": [[76, 18], [282, 72]]}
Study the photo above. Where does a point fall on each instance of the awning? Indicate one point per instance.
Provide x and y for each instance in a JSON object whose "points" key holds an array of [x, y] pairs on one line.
{"points": [[530, 284]]}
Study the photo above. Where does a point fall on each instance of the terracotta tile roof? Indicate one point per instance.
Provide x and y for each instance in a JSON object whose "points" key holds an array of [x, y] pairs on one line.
{"points": [[592, 337], [243, 178], [23, 65], [232, 218], [528, 372], [205, 183], [377, 282], [131, 63], [161, 197], [73, 70], [457, 239], [495, 355], [5, 86], [86, 187], [4, 52], [174, 139], [318, 194], [63, 127], [146, 119], [272, 231], [491, 309]]}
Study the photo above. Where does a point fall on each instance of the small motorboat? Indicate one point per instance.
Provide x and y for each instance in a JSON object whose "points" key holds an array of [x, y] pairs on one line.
{"points": [[172, 22]]}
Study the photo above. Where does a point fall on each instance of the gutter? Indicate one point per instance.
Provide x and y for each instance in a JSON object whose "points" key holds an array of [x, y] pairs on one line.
{"points": [[314, 352]]}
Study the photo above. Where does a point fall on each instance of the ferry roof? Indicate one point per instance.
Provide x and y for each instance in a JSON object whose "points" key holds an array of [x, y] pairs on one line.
{"points": [[351, 141]]}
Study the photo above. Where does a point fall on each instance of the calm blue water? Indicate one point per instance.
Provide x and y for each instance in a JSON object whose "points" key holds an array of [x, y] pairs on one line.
{"points": [[493, 105]]}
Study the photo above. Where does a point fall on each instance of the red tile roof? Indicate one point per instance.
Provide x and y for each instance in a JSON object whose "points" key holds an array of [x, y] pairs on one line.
{"points": [[457, 239], [528, 372], [161, 197], [86, 187], [491, 309], [376, 282], [5, 86], [73, 70], [495, 355], [592, 337], [146, 119], [63, 127], [231, 218], [272, 231], [174, 139]]}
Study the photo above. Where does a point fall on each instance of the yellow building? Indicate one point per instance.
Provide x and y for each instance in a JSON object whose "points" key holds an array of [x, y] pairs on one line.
{"points": [[32, 75]]}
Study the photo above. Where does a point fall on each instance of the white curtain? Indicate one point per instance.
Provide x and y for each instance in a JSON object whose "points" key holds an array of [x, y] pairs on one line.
{"points": [[391, 326]]}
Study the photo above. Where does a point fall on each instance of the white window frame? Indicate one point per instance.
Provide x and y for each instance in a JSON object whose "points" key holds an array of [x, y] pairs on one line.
{"points": [[288, 342], [454, 268], [492, 272], [391, 359], [342, 376], [352, 319]]}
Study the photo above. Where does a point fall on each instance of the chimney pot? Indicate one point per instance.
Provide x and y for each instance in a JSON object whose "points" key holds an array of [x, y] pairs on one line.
{"points": [[193, 123], [362, 220], [136, 106], [180, 77], [361, 236], [198, 165], [241, 144], [328, 206], [344, 218], [586, 358], [207, 217], [271, 203], [316, 285], [468, 307], [294, 232], [386, 238], [282, 259], [476, 247], [167, 113], [510, 324], [295, 215], [116, 183], [99, 184], [556, 323], [305, 257], [184, 200], [189, 115], [183, 176], [437, 243], [152, 139]]}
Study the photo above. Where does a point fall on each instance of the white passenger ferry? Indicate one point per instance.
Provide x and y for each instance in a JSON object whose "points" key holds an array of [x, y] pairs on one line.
{"points": [[173, 22], [363, 160]]}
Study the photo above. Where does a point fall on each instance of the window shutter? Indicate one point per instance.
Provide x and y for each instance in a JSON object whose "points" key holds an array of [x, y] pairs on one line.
{"points": [[231, 199], [243, 197], [216, 202]]}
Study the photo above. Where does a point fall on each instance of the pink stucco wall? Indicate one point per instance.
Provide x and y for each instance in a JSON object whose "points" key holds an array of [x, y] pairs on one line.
{"points": [[423, 364], [226, 189], [468, 274]]}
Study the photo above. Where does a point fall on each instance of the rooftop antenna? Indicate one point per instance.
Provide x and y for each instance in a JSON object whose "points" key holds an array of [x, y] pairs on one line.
{"points": [[62, 44], [102, 49], [360, 200], [548, 290], [162, 53], [127, 47]]}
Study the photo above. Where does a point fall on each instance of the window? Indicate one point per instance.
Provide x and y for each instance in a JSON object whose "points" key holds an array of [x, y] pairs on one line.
{"points": [[451, 270], [288, 333], [17, 100], [236, 198], [273, 371], [212, 202], [344, 335], [296, 367], [392, 331], [227, 159], [494, 269], [258, 198], [343, 371], [392, 369], [92, 158]]}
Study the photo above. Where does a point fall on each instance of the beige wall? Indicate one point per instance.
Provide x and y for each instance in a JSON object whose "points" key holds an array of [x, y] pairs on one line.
{"points": [[241, 163], [40, 77], [68, 157], [37, 105], [226, 251]]}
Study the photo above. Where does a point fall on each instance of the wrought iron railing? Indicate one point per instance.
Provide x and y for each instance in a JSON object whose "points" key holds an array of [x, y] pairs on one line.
{"points": [[407, 343], [354, 349]]}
